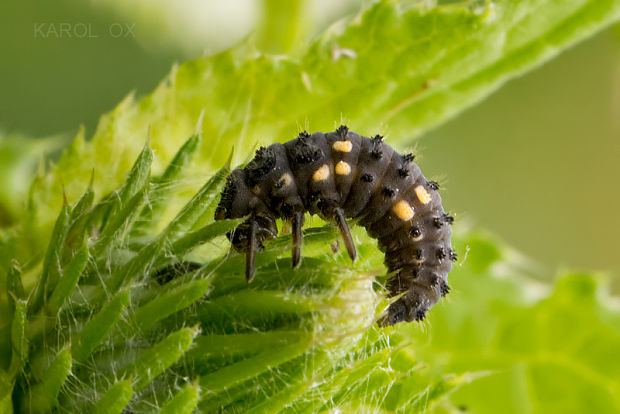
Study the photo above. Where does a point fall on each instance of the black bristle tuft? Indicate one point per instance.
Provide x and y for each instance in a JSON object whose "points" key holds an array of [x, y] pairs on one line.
{"points": [[367, 178], [306, 152], [419, 315], [444, 288], [342, 131], [433, 185], [224, 207], [437, 222], [418, 254], [441, 253], [434, 280], [264, 161], [376, 152], [453, 255], [388, 191]]}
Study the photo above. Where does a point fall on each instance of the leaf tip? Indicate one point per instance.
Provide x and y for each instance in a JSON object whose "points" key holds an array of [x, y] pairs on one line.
{"points": [[91, 182], [230, 157], [147, 144], [199, 123], [64, 196]]}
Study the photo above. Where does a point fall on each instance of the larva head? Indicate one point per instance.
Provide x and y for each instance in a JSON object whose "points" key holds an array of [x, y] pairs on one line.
{"points": [[236, 197]]}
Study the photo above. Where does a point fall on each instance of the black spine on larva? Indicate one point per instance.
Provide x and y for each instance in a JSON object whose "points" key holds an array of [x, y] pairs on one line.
{"points": [[342, 174]]}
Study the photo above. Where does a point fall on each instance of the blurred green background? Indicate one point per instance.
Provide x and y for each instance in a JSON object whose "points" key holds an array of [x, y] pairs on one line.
{"points": [[536, 163]]}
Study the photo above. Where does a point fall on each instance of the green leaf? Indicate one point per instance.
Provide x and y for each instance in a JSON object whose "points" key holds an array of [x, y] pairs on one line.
{"points": [[137, 266], [155, 360], [137, 178], [68, 281], [115, 398], [300, 340], [6, 403], [51, 263], [14, 292], [98, 327], [546, 351], [407, 66], [14, 287], [19, 156], [281, 25], [184, 401], [405, 394], [164, 185], [19, 342], [6, 388], [256, 304], [119, 221], [170, 301], [251, 367], [302, 381], [188, 215], [210, 346], [79, 220], [198, 204], [43, 396], [201, 236]]}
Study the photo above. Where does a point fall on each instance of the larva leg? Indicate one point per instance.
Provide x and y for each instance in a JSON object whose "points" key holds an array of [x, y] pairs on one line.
{"points": [[248, 238], [344, 231], [250, 255], [297, 223]]}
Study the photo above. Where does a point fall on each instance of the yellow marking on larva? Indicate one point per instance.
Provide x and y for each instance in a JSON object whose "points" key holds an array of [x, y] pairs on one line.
{"points": [[285, 180], [342, 146], [423, 195], [256, 189], [403, 210], [342, 168], [321, 174]]}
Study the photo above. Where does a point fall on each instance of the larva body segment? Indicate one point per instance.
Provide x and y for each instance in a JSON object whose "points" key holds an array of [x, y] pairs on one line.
{"points": [[341, 175]]}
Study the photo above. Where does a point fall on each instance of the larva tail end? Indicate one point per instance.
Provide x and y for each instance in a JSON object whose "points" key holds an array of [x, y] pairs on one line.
{"points": [[406, 309]]}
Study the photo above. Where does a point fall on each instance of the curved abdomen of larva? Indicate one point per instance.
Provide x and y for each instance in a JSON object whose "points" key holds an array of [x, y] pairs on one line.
{"points": [[342, 175]]}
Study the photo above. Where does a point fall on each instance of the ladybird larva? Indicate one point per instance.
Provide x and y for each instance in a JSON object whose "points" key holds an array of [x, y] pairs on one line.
{"points": [[340, 175]]}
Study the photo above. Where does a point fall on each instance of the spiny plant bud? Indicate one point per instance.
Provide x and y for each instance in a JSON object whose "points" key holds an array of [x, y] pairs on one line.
{"points": [[122, 320]]}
